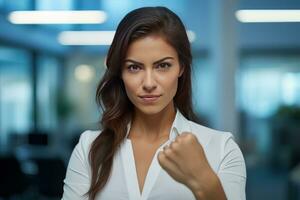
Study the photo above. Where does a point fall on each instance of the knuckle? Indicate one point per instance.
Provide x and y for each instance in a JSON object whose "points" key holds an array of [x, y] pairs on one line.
{"points": [[168, 152], [178, 138], [161, 156], [185, 137], [173, 145], [191, 136]]}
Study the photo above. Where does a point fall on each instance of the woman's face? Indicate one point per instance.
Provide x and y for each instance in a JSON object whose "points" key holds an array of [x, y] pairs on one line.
{"points": [[150, 74]]}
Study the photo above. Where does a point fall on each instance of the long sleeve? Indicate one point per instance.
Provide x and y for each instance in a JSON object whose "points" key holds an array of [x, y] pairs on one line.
{"points": [[77, 180], [232, 171]]}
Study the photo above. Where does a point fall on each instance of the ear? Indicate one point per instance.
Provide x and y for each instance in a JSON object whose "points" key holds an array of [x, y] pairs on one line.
{"points": [[181, 72]]}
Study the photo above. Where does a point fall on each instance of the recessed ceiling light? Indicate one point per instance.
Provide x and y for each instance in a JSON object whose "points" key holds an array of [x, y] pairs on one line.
{"points": [[86, 37], [84, 73], [58, 17], [95, 37], [251, 16]]}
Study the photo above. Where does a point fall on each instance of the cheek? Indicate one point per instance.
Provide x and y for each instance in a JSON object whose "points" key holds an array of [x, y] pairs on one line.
{"points": [[131, 85], [174, 86], [169, 84]]}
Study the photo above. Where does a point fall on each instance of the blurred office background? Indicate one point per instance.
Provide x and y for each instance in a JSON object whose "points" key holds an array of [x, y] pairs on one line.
{"points": [[246, 80]]}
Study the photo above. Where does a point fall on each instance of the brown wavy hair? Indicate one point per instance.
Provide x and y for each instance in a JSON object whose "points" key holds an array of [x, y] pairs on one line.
{"points": [[111, 95]]}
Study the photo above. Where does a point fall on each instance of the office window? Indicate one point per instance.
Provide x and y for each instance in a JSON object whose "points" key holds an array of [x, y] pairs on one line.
{"points": [[47, 87], [15, 93], [202, 87], [265, 83]]}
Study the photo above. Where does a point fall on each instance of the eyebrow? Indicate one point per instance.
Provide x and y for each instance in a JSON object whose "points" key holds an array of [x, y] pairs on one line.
{"points": [[156, 62]]}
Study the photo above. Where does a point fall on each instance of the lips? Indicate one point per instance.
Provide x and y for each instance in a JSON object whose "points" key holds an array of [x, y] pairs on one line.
{"points": [[149, 98]]}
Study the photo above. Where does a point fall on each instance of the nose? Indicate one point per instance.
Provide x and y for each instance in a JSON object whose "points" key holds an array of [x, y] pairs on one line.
{"points": [[149, 83]]}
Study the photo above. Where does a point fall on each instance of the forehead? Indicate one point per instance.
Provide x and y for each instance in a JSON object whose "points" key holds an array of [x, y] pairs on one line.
{"points": [[151, 47]]}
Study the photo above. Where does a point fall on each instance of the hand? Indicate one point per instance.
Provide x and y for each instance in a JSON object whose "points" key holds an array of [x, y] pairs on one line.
{"points": [[184, 160]]}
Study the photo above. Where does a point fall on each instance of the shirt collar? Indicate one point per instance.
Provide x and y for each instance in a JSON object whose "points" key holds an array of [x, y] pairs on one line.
{"points": [[180, 125]]}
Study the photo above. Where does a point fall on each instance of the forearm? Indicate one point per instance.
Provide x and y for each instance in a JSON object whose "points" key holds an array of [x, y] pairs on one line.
{"points": [[208, 188]]}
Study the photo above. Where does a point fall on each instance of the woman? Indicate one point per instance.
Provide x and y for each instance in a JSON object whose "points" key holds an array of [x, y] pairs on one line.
{"points": [[148, 148]]}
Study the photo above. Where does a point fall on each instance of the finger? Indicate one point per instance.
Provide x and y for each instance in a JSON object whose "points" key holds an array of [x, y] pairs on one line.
{"points": [[170, 167], [171, 145], [185, 133], [174, 146], [187, 137], [167, 164], [181, 137], [177, 139], [170, 157], [175, 150]]}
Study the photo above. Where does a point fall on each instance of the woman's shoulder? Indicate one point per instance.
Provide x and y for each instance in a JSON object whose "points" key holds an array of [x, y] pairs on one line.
{"points": [[79, 159], [208, 135], [220, 147], [89, 135], [87, 138]]}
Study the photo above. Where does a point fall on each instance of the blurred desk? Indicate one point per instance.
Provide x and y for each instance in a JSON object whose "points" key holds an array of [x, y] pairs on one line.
{"points": [[44, 168]]}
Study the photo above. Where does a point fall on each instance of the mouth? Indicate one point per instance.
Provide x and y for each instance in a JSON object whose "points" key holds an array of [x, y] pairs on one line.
{"points": [[150, 98]]}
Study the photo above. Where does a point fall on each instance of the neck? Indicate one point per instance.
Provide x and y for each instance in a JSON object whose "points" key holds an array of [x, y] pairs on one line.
{"points": [[152, 127]]}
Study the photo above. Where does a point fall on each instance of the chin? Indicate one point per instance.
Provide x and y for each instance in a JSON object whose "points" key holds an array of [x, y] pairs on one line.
{"points": [[150, 110]]}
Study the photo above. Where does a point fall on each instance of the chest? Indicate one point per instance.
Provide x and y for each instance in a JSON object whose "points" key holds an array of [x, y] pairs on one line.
{"points": [[123, 183], [143, 154]]}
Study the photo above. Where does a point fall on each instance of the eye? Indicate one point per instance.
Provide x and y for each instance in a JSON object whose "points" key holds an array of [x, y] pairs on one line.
{"points": [[133, 68], [164, 65]]}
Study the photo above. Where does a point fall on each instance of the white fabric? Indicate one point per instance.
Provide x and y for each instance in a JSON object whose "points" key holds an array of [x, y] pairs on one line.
{"points": [[223, 154]]}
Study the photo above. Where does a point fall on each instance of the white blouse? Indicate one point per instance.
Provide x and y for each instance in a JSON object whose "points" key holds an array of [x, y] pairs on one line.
{"points": [[222, 153]]}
